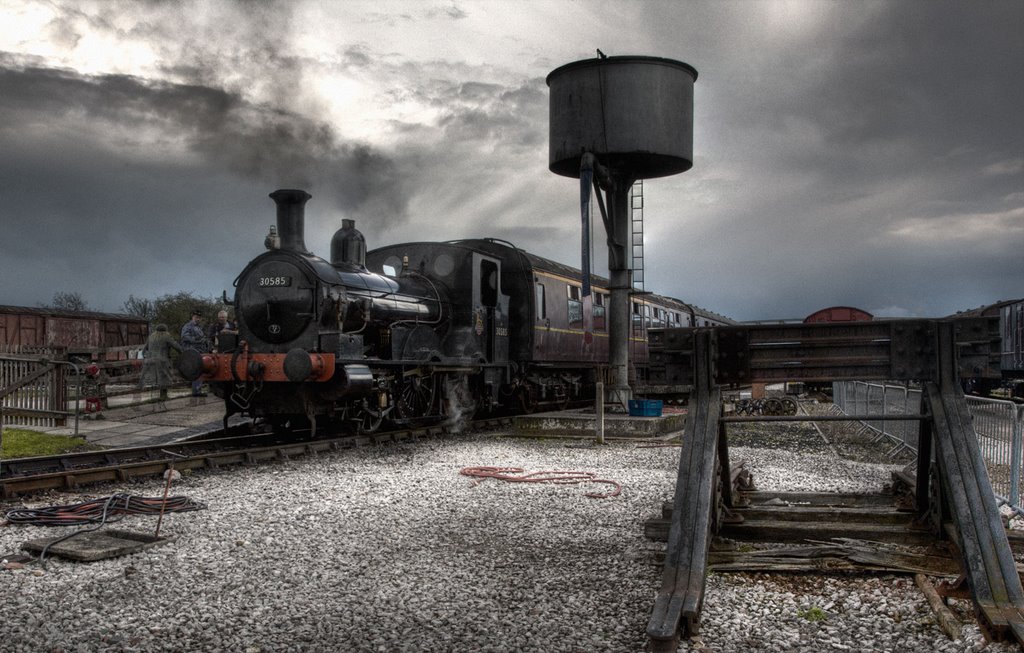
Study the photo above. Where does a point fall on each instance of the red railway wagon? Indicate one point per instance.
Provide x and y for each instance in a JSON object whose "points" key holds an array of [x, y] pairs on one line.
{"points": [[839, 314], [26, 327]]}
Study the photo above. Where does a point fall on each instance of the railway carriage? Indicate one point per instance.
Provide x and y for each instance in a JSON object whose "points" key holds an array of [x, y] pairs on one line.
{"points": [[1006, 377]]}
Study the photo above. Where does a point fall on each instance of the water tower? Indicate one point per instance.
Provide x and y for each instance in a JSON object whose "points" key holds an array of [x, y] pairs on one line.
{"points": [[620, 119]]}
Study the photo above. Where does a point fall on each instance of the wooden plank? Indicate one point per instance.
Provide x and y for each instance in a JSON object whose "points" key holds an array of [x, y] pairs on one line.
{"points": [[839, 499], [679, 600], [803, 531], [988, 563], [949, 623], [886, 512], [841, 515]]}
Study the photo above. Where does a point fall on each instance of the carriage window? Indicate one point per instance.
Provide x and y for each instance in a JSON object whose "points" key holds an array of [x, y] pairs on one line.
{"points": [[575, 307], [488, 283], [542, 311]]}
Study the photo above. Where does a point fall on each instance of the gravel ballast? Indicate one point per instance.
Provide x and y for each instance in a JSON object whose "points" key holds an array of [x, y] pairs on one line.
{"points": [[388, 549]]}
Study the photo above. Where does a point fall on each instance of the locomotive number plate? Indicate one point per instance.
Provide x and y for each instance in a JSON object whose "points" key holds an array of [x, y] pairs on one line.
{"points": [[274, 282]]}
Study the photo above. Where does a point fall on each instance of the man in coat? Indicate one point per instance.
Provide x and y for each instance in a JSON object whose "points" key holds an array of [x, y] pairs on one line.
{"points": [[193, 336]]}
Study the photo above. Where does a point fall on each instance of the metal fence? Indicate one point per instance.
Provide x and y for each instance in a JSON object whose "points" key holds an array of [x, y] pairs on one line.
{"points": [[998, 424], [860, 398]]}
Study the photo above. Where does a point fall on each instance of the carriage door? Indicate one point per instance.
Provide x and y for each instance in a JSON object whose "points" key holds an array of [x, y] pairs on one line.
{"points": [[490, 308]]}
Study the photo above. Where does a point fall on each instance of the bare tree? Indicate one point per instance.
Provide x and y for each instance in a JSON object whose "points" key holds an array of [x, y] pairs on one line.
{"points": [[140, 306], [69, 301]]}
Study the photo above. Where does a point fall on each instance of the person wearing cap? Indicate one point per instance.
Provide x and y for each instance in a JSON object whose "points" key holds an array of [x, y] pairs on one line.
{"points": [[194, 337]]}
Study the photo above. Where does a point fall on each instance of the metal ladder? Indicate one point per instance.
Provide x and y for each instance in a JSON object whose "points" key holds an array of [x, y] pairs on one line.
{"points": [[636, 236], [638, 328]]}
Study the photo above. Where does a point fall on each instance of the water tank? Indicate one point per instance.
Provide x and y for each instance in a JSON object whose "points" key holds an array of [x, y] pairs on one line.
{"points": [[634, 113]]}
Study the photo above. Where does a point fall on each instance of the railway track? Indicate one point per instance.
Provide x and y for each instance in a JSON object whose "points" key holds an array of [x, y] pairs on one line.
{"points": [[71, 471]]}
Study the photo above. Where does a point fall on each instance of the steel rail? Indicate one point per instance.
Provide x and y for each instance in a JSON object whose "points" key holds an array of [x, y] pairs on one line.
{"points": [[119, 465]]}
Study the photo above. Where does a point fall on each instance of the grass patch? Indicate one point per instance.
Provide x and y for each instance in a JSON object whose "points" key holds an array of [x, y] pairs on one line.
{"points": [[23, 443], [812, 614]]}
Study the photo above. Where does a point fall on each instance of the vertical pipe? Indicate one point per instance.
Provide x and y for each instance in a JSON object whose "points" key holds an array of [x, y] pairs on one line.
{"points": [[600, 412], [618, 272]]}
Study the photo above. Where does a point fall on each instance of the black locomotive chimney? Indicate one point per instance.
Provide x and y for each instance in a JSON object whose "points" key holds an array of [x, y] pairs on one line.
{"points": [[291, 218]]}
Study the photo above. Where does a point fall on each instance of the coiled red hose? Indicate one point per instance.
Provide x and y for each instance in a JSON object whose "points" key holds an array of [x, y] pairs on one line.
{"points": [[556, 477]]}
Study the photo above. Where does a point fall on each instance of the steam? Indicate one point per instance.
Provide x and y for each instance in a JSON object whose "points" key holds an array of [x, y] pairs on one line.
{"points": [[458, 403]]}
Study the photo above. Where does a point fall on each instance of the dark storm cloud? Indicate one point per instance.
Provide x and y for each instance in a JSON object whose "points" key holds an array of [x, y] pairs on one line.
{"points": [[107, 229], [823, 156], [118, 185], [846, 153], [357, 56], [451, 11], [422, 10], [253, 140], [488, 112]]}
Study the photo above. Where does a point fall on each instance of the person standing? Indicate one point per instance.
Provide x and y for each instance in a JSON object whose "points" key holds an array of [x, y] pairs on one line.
{"points": [[222, 325], [156, 367], [194, 337]]}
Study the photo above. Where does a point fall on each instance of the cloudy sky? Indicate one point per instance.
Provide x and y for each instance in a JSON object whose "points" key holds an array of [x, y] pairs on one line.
{"points": [[858, 153]]}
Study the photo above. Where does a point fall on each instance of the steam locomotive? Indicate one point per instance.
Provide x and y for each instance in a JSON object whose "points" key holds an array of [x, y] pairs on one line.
{"points": [[412, 332]]}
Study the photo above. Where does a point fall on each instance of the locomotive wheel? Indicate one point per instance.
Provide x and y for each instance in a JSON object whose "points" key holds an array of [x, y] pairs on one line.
{"points": [[789, 406], [524, 394], [416, 397], [773, 407], [367, 422]]}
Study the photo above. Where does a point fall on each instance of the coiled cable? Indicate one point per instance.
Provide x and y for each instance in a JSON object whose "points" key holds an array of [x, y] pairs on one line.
{"points": [[97, 512], [108, 509]]}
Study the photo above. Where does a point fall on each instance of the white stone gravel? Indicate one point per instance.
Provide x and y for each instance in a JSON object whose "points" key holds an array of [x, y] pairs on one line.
{"points": [[389, 549]]}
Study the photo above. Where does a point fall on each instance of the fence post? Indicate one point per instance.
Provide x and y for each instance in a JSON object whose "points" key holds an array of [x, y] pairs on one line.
{"points": [[885, 404], [600, 411], [907, 409], [1015, 457]]}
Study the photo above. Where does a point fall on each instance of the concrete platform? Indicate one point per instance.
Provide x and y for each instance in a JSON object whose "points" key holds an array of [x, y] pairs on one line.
{"points": [[176, 419], [583, 423]]}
